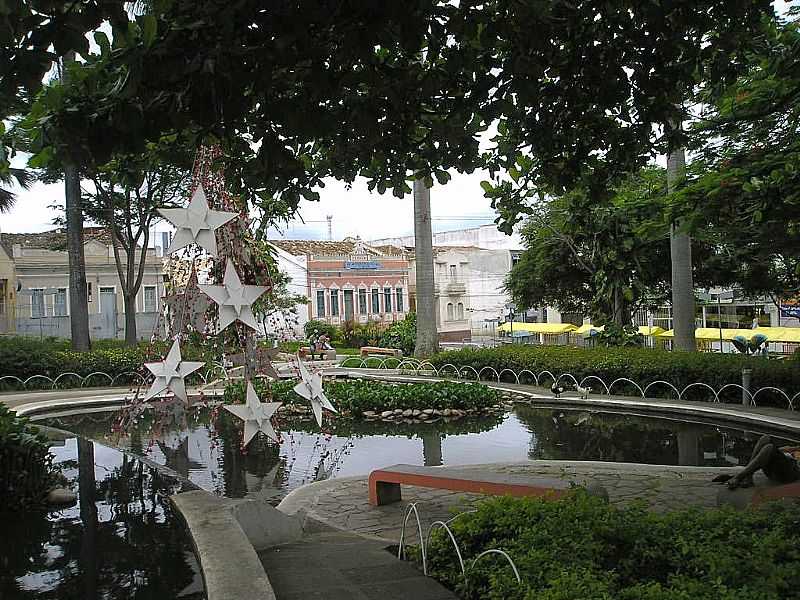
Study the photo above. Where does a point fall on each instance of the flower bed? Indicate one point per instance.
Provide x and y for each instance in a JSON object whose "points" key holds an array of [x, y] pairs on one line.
{"points": [[361, 398], [581, 547]]}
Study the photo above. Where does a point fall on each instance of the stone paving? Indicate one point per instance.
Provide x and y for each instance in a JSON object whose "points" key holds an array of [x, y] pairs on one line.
{"points": [[343, 503]]}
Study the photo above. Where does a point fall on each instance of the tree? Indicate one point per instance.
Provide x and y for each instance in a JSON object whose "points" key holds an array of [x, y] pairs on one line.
{"points": [[589, 113], [125, 195], [427, 335], [604, 260]]}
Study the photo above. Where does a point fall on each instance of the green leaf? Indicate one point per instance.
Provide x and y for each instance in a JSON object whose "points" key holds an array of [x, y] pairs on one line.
{"points": [[149, 27], [487, 187]]}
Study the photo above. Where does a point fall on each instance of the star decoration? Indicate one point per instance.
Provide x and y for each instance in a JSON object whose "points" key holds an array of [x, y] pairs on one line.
{"points": [[170, 373], [234, 299], [264, 358], [196, 223], [188, 309], [310, 388], [256, 416]]}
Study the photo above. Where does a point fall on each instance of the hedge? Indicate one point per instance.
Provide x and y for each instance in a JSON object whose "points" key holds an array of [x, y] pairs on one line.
{"points": [[356, 396], [642, 365], [582, 547]]}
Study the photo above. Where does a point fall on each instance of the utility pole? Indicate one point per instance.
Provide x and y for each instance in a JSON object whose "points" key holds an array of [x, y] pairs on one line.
{"points": [[329, 218]]}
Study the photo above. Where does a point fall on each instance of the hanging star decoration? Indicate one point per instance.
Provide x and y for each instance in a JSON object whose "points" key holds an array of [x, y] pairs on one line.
{"points": [[256, 415], [196, 223], [310, 388], [234, 298], [170, 373], [187, 308]]}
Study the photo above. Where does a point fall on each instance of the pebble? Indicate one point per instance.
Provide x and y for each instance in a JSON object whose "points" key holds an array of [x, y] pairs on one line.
{"points": [[387, 413]]}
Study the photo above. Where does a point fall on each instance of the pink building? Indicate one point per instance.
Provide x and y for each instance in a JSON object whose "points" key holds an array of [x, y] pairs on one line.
{"points": [[351, 280]]}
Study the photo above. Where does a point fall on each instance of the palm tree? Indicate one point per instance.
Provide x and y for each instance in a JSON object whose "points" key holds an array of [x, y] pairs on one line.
{"points": [[681, 255], [427, 337], [9, 178]]}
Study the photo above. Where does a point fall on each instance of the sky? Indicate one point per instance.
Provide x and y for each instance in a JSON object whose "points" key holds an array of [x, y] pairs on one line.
{"points": [[356, 211]]}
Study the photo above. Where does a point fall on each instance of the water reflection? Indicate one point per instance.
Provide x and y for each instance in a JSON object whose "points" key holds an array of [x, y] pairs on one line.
{"points": [[122, 540], [203, 445]]}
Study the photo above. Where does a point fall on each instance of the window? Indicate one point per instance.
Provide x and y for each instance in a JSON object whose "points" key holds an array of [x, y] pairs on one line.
{"points": [[37, 303], [452, 271], [387, 300], [460, 311], [60, 303], [150, 298], [320, 303], [376, 301], [398, 304], [449, 311], [88, 291], [334, 303], [362, 302]]}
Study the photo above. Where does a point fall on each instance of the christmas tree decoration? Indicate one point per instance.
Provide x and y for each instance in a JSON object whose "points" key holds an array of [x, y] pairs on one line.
{"points": [[170, 374], [256, 416], [234, 298], [310, 388], [197, 223]]}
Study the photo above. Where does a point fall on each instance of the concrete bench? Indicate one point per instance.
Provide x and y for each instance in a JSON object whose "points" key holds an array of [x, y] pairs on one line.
{"points": [[384, 484], [305, 352], [367, 350]]}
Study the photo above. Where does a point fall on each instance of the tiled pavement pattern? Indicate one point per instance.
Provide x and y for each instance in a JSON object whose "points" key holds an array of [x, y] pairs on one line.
{"points": [[333, 565], [342, 503]]}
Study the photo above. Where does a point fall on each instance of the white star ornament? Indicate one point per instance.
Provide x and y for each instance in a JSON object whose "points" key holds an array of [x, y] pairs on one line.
{"points": [[234, 299], [196, 223], [170, 373], [256, 416], [310, 388]]}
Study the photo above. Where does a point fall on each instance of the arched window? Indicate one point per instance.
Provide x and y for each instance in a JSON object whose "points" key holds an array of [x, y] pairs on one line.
{"points": [[449, 311], [460, 311]]}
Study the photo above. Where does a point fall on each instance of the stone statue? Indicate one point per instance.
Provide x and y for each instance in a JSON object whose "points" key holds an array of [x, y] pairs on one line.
{"points": [[779, 465]]}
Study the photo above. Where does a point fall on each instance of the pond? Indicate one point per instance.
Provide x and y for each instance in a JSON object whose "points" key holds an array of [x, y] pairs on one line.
{"points": [[201, 445], [120, 540]]}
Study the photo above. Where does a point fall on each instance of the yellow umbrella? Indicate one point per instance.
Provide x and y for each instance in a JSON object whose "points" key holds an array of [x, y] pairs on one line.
{"points": [[588, 327], [645, 330], [711, 334], [548, 328], [780, 334]]}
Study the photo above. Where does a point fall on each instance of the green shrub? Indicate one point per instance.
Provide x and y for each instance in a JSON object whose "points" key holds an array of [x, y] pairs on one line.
{"points": [[356, 335], [402, 335], [642, 365], [356, 396], [318, 327], [581, 547], [26, 471]]}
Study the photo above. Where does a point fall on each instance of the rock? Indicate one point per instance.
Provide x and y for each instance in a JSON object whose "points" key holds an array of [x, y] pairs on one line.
{"points": [[59, 496], [597, 490], [387, 413], [408, 412], [447, 412], [398, 411], [416, 412], [428, 411], [368, 413], [424, 416]]}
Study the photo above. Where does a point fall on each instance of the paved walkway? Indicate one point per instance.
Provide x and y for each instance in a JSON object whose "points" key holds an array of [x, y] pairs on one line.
{"points": [[343, 503], [333, 565]]}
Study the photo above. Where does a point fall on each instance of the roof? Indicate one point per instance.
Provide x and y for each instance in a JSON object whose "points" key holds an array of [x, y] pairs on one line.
{"points": [[329, 248], [437, 250], [55, 239]]}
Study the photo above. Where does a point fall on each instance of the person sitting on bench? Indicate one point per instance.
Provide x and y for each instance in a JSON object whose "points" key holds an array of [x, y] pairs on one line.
{"points": [[780, 465]]}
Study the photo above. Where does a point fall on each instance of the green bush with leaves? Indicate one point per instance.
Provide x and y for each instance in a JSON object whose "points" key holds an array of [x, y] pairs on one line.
{"points": [[26, 465], [312, 328], [582, 547], [642, 365], [402, 335], [353, 397]]}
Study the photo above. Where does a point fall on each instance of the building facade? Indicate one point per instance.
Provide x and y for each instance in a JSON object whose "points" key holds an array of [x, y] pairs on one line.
{"points": [[34, 287], [351, 280]]}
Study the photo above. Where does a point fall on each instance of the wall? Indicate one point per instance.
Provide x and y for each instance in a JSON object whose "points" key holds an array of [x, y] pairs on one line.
{"points": [[296, 267], [485, 236]]}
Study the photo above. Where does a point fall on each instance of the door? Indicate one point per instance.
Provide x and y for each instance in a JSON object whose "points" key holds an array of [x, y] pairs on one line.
{"points": [[108, 312], [348, 305]]}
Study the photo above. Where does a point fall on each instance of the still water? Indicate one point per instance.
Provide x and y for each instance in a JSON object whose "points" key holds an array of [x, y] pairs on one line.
{"points": [[120, 540], [202, 445]]}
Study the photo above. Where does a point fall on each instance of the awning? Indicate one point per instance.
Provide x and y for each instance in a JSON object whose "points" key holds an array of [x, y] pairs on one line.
{"points": [[546, 328], [710, 334], [587, 328], [645, 330], [779, 334]]}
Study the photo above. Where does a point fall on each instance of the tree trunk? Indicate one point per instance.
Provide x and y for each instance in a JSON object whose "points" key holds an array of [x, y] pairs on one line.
{"points": [[681, 254], [131, 339], [427, 336], [78, 303], [622, 315]]}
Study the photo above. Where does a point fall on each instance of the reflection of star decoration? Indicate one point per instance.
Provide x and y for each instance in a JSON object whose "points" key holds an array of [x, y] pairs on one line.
{"points": [[310, 388], [170, 373], [256, 416], [196, 223], [234, 299]]}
